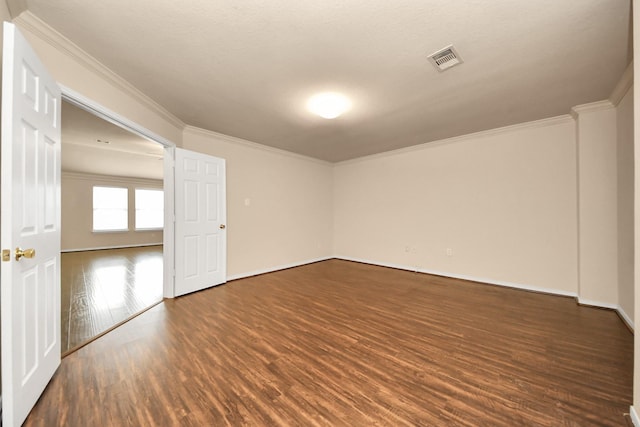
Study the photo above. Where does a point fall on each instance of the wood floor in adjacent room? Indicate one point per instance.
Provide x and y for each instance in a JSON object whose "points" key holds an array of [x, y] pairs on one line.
{"points": [[105, 287], [338, 343]]}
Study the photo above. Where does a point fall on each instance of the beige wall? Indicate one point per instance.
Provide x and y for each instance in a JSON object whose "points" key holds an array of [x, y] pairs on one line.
{"points": [[597, 198], [625, 153], [77, 213], [289, 216], [504, 202]]}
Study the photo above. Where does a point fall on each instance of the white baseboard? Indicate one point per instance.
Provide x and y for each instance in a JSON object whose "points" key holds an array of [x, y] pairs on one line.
{"points": [[625, 317], [380, 264], [582, 301], [501, 283], [277, 268], [465, 277], [111, 247], [480, 280], [634, 416]]}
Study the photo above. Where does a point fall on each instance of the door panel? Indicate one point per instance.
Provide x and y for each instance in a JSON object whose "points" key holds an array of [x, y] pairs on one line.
{"points": [[30, 219], [200, 232]]}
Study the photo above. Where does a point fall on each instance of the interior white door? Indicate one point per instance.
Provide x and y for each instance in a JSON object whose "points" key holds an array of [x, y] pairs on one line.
{"points": [[200, 227], [30, 220]]}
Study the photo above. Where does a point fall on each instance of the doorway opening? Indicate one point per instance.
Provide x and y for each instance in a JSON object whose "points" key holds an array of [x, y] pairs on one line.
{"points": [[112, 228]]}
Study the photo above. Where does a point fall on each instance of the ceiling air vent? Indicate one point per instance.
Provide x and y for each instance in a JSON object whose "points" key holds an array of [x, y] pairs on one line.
{"points": [[445, 58]]}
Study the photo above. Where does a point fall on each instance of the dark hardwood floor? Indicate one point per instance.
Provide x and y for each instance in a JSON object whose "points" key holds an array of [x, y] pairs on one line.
{"points": [[103, 288], [338, 343]]}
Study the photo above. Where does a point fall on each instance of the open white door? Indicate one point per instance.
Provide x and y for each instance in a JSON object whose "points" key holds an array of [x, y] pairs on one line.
{"points": [[30, 228], [200, 230]]}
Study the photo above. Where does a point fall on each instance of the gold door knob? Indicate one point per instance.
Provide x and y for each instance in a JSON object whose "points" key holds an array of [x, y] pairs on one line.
{"points": [[27, 253], [222, 226]]}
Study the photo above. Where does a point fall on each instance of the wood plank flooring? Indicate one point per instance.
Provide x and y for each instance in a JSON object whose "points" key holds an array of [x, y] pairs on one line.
{"points": [[338, 343], [103, 288]]}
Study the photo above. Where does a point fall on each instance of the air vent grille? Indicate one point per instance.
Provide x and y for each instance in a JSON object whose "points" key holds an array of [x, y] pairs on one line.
{"points": [[445, 58]]}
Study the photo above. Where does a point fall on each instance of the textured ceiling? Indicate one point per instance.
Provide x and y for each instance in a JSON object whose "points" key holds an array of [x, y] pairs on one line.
{"points": [[245, 68]]}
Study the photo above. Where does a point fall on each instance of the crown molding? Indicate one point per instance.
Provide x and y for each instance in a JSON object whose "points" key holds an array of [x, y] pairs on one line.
{"points": [[624, 84], [591, 107], [551, 121], [31, 23], [250, 144]]}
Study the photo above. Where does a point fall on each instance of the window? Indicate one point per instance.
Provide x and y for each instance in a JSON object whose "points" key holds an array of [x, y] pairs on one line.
{"points": [[149, 209], [110, 206]]}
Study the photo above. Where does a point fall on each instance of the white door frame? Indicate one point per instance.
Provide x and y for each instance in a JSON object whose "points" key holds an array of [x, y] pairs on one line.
{"points": [[89, 105]]}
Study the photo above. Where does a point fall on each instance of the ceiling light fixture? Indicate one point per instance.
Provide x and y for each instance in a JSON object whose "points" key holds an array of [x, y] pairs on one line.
{"points": [[329, 104]]}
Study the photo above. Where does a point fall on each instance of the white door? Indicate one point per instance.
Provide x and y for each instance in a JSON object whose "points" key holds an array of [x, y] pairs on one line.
{"points": [[200, 230], [30, 220]]}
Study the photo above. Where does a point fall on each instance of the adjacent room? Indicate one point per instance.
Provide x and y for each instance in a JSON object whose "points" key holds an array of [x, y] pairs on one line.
{"points": [[112, 220], [374, 213]]}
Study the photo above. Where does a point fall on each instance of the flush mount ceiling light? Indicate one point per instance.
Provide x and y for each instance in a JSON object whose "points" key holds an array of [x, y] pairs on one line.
{"points": [[328, 104]]}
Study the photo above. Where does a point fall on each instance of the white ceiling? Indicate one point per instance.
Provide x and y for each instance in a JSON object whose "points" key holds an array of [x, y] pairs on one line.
{"points": [[245, 68], [84, 147]]}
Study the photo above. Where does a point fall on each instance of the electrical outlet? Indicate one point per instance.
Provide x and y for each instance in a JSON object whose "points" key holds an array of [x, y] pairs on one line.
{"points": [[449, 252]]}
